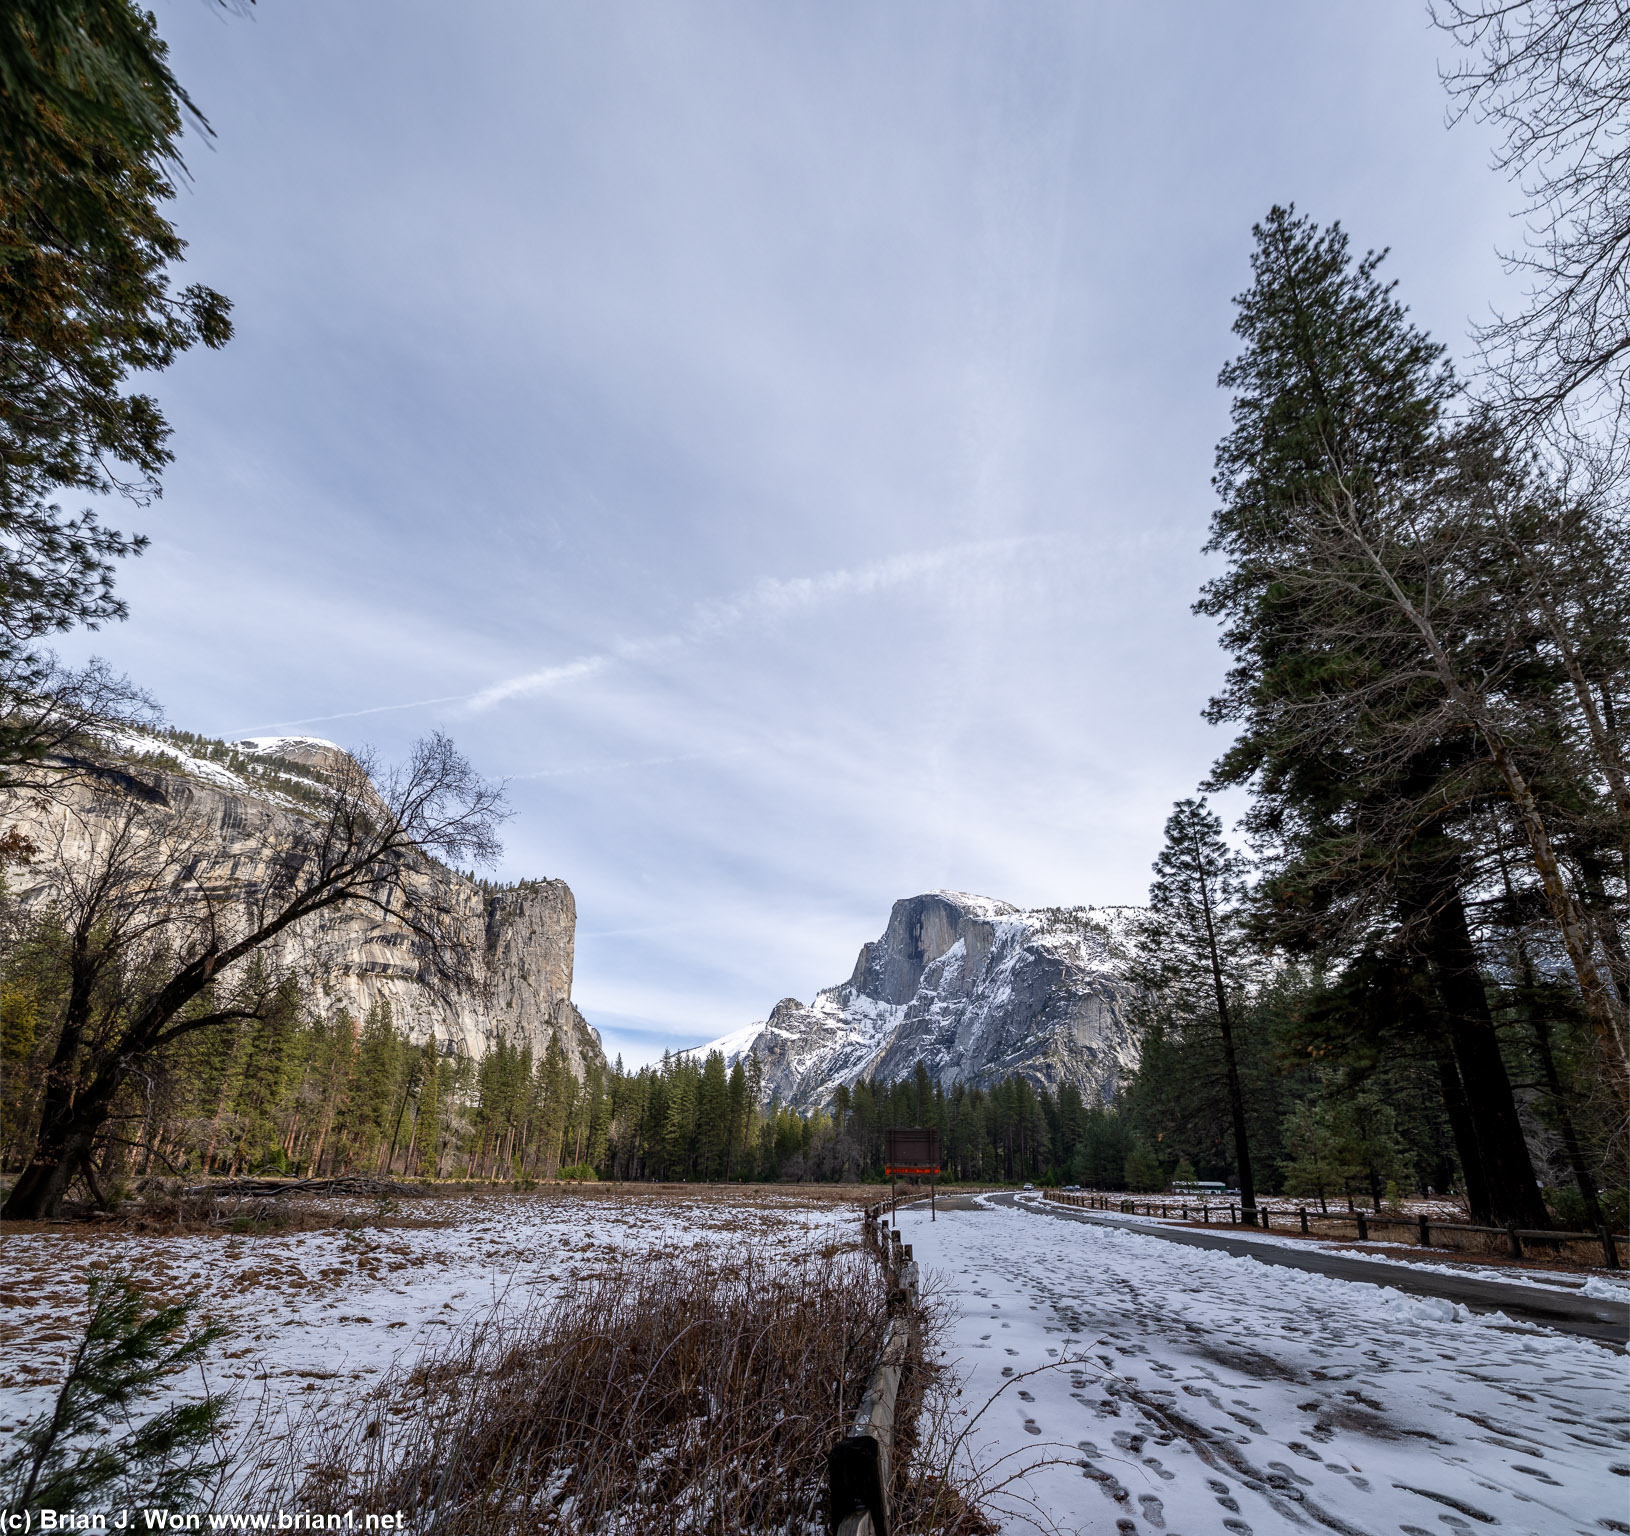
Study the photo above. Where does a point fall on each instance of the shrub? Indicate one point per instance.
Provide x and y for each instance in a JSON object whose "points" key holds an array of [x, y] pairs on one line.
{"points": [[677, 1393]]}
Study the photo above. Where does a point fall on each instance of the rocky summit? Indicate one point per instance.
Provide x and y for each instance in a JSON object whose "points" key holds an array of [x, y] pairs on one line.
{"points": [[975, 989], [240, 794]]}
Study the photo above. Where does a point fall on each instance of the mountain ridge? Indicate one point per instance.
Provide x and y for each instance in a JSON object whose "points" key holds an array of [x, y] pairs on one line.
{"points": [[975, 988]]}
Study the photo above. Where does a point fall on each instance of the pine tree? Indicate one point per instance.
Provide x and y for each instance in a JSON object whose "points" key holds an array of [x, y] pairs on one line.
{"points": [[73, 1457], [272, 1047], [1193, 949], [1313, 1165], [427, 1113], [1143, 1172], [1363, 785], [557, 1083], [332, 1059], [712, 1117], [1367, 1146], [90, 119], [371, 1093], [736, 1127], [679, 1127]]}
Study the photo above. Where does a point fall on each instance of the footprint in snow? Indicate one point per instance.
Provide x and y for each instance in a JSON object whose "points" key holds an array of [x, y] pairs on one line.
{"points": [[1009, 1351], [1153, 1463], [1031, 1427], [1544, 1477], [1106, 1481], [1025, 1396], [1153, 1510], [1289, 1473]]}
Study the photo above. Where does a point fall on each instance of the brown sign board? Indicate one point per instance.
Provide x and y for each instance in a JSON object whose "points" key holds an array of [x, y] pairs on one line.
{"points": [[911, 1150]]}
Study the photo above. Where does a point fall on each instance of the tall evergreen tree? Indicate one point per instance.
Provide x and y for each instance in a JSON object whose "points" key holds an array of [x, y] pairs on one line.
{"points": [[1192, 949], [90, 122], [1337, 396]]}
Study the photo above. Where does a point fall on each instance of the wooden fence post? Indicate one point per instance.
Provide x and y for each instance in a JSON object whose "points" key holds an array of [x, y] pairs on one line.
{"points": [[1304, 1221], [1516, 1242], [1363, 1227], [859, 1466], [1426, 1231], [1609, 1252]]}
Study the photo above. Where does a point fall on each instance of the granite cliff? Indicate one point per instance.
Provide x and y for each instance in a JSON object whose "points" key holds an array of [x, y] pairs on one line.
{"points": [[242, 794], [975, 989]]}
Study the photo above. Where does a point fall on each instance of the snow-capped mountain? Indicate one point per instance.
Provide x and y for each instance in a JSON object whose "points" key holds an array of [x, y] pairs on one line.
{"points": [[975, 989]]}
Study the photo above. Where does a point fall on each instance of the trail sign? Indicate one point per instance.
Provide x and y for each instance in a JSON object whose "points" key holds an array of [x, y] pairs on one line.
{"points": [[911, 1150]]}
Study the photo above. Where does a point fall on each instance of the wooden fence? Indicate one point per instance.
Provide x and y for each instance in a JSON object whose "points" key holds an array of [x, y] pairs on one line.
{"points": [[860, 1467], [1422, 1228]]}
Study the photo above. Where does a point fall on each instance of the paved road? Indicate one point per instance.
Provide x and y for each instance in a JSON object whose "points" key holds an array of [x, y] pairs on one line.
{"points": [[1608, 1322]]}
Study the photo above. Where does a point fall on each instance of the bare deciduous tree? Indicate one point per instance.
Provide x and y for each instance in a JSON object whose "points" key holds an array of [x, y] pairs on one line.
{"points": [[162, 908], [1552, 77]]}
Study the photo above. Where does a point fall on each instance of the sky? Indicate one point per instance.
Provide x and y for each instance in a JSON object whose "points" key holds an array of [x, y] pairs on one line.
{"points": [[772, 438]]}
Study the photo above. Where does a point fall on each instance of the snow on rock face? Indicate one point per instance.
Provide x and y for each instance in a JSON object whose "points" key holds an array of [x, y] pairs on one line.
{"points": [[307, 751], [975, 989], [355, 956]]}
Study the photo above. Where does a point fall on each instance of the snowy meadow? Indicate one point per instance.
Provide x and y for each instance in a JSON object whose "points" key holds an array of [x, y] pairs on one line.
{"points": [[347, 1302]]}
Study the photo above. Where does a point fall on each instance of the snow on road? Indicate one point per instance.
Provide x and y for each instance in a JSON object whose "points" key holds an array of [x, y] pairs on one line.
{"points": [[307, 1309], [1609, 1287], [1182, 1392]]}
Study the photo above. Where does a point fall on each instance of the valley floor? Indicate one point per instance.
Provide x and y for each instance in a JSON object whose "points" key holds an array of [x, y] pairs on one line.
{"points": [[1150, 1388], [1136, 1385], [317, 1314]]}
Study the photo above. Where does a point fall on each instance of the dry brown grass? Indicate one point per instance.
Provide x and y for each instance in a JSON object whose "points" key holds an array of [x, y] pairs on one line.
{"points": [[164, 1209], [697, 1394]]}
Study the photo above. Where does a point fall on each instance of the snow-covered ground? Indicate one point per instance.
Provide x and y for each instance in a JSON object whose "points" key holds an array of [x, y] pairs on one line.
{"points": [[308, 1311], [1181, 1391], [1609, 1285]]}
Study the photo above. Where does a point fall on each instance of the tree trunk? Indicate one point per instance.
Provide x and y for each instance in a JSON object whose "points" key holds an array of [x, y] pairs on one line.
{"points": [[1570, 1140], [1236, 1099], [63, 1142], [62, 1147], [1464, 1130], [1512, 1190]]}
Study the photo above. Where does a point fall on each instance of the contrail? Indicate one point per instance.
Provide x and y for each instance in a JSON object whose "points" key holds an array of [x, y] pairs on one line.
{"points": [[766, 601]]}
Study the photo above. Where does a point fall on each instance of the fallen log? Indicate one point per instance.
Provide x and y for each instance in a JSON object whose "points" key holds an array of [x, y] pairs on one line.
{"points": [[275, 1189]]}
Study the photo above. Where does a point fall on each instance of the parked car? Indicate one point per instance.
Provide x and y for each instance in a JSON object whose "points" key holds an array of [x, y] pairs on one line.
{"points": [[1030, 1186], [1072, 1189]]}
